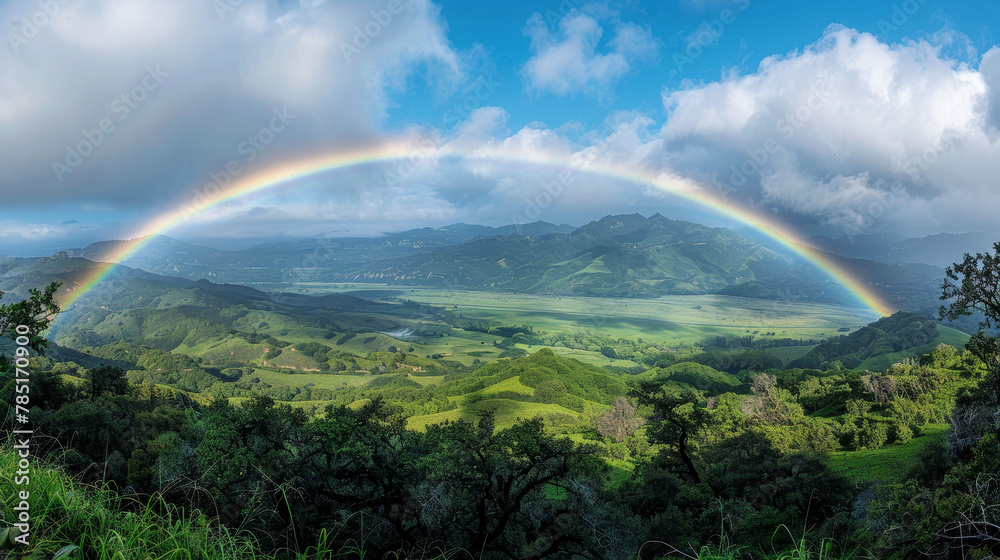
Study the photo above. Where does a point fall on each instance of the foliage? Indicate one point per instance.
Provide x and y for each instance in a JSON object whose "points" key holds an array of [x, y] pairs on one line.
{"points": [[33, 314], [691, 375], [94, 523], [735, 445], [620, 422], [889, 334]]}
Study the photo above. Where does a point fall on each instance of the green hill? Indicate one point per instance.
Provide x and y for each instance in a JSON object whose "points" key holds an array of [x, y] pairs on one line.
{"points": [[541, 384], [882, 343], [693, 375]]}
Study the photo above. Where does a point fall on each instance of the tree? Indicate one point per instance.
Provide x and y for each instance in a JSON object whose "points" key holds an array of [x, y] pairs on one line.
{"points": [[977, 292], [677, 418], [35, 314], [511, 493], [769, 403], [107, 380], [620, 422], [29, 318]]}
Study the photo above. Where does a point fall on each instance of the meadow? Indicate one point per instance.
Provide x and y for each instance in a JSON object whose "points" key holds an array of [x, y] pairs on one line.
{"points": [[667, 320]]}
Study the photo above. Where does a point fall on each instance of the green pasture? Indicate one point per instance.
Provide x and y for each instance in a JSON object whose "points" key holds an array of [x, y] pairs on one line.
{"points": [[321, 380], [890, 463], [507, 413], [670, 319]]}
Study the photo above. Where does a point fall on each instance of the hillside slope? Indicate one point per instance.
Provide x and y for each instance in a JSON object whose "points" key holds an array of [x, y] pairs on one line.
{"points": [[620, 256], [895, 336]]}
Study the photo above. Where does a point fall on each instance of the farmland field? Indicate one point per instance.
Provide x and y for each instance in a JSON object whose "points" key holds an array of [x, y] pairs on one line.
{"points": [[667, 319]]}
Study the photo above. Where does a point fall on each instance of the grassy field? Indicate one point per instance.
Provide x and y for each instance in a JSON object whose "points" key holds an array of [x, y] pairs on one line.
{"points": [[321, 380], [672, 319], [592, 358], [890, 463], [507, 412], [667, 320], [512, 385]]}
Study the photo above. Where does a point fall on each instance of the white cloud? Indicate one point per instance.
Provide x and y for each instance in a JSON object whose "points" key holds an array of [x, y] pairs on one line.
{"points": [[820, 132], [849, 132], [572, 60], [336, 65]]}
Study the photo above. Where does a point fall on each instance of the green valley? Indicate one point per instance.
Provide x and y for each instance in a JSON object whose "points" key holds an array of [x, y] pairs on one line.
{"points": [[300, 414]]}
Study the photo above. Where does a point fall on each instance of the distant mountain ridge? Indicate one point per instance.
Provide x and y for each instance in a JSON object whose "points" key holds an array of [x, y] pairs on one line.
{"points": [[271, 262], [132, 298], [620, 256], [940, 250]]}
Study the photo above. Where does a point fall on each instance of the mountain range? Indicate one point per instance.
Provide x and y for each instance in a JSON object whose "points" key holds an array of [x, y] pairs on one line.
{"points": [[939, 250], [619, 256], [616, 256]]}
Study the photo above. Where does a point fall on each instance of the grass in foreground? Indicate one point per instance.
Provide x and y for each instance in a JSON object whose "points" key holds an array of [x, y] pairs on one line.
{"points": [[79, 522], [71, 521]]}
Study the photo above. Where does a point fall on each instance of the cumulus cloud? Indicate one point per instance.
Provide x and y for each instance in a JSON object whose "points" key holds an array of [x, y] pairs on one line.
{"points": [[540, 172], [822, 132], [572, 60], [136, 105], [849, 132]]}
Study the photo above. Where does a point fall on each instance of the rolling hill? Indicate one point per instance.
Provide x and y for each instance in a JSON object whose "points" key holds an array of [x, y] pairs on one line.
{"points": [[898, 336]]}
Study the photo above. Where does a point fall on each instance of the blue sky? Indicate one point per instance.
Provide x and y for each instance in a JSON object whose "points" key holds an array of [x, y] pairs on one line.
{"points": [[897, 102], [757, 30]]}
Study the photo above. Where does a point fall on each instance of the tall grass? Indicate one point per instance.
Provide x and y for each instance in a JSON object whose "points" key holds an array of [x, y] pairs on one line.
{"points": [[65, 514], [802, 549], [72, 521]]}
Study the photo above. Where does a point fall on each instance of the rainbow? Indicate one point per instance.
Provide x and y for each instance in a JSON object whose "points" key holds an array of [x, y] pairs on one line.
{"points": [[281, 176]]}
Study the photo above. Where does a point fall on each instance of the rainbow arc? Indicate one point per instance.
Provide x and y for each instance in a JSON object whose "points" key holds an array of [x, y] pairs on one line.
{"points": [[284, 176]]}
